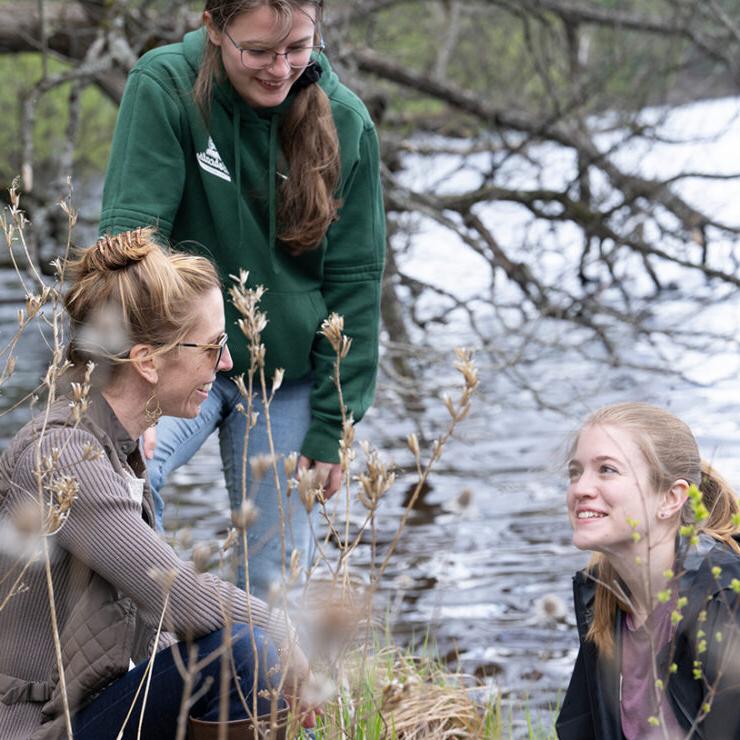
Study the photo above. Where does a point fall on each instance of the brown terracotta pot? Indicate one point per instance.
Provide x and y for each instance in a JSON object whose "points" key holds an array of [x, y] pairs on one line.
{"points": [[241, 729]]}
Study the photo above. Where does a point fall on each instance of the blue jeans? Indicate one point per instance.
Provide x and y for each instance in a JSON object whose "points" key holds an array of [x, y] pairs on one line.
{"points": [[269, 544], [104, 716]]}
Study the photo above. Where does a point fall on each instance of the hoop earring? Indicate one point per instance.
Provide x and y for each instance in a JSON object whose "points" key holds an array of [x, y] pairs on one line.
{"points": [[152, 413]]}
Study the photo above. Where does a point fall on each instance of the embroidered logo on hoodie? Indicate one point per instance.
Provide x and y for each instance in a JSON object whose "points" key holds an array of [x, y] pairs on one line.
{"points": [[210, 160]]}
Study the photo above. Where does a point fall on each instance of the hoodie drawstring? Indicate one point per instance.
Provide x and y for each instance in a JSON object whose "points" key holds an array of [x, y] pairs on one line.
{"points": [[272, 193], [235, 125]]}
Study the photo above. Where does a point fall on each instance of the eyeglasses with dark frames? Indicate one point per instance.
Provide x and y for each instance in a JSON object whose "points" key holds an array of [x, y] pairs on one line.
{"points": [[218, 346], [297, 57]]}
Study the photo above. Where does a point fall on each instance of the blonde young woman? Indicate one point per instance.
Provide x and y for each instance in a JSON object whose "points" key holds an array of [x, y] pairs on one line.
{"points": [[658, 611], [241, 143], [153, 323]]}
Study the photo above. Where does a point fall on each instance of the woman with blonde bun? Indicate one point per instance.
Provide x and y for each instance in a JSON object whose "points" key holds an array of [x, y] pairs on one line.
{"points": [[127, 609], [658, 607]]}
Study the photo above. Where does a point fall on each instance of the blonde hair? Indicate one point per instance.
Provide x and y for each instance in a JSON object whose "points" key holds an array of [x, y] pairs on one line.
{"points": [[126, 290], [672, 454], [308, 137]]}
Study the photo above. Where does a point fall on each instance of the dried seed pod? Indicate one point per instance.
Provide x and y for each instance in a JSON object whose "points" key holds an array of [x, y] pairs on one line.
{"points": [[259, 465], [274, 596], [185, 537], [277, 378], [240, 385], [165, 578], [309, 488], [202, 557], [332, 328], [295, 566], [290, 463], [230, 540], [28, 518], [245, 515], [317, 690]]}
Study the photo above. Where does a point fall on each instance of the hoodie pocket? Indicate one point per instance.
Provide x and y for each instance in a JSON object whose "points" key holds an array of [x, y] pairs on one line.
{"points": [[293, 322]]}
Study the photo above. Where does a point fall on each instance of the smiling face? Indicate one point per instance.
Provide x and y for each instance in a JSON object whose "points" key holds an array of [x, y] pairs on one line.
{"points": [[609, 486], [185, 374], [261, 29]]}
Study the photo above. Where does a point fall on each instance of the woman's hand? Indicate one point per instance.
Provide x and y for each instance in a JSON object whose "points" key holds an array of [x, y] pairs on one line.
{"points": [[297, 675], [329, 474], [149, 439]]}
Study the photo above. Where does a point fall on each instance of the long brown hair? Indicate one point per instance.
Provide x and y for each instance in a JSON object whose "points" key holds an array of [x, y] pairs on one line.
{"points": [[307, 205], [126, 289], [672, 454]]}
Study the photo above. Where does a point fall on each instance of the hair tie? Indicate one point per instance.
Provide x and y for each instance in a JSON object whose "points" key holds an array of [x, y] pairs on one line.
{"points": [[310, 76]]}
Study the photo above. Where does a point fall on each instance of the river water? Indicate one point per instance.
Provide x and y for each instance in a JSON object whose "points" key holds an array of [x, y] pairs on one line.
{"points": [[485, 565]]}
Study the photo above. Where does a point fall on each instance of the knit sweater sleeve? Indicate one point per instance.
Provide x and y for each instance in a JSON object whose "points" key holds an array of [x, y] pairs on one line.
{"points": [[352, 281], [105, 530], [146, 169]]}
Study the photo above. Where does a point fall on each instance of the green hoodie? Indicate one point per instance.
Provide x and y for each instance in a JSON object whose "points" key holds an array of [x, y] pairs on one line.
{"points": [[211, 190]]}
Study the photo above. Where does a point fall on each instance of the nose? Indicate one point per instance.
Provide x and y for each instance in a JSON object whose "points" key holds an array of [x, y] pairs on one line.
{"points": [[225, 363], [581, 486], [283, 59]]}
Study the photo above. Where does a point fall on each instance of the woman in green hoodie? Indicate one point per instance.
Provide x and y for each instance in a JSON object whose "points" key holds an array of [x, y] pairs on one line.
{"points": [[240, 143]]}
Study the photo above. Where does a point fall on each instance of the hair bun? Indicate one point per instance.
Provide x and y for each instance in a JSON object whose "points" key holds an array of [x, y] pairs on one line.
{"points": [[117, 252]]}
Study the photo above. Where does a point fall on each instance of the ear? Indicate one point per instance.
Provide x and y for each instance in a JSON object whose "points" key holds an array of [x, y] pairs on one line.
{"points": [[673, 499], [144, 362], [214, 35]]}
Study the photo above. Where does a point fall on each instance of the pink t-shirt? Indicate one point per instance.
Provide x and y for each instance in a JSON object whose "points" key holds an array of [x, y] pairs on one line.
{"points": [[639, 699]]}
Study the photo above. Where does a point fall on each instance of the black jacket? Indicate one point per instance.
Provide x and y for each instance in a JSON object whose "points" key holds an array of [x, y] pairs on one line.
{"points": [[590, 710]]}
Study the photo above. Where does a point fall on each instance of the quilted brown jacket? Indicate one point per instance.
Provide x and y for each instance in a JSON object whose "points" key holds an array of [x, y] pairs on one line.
{"points": [[105, 561]]}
